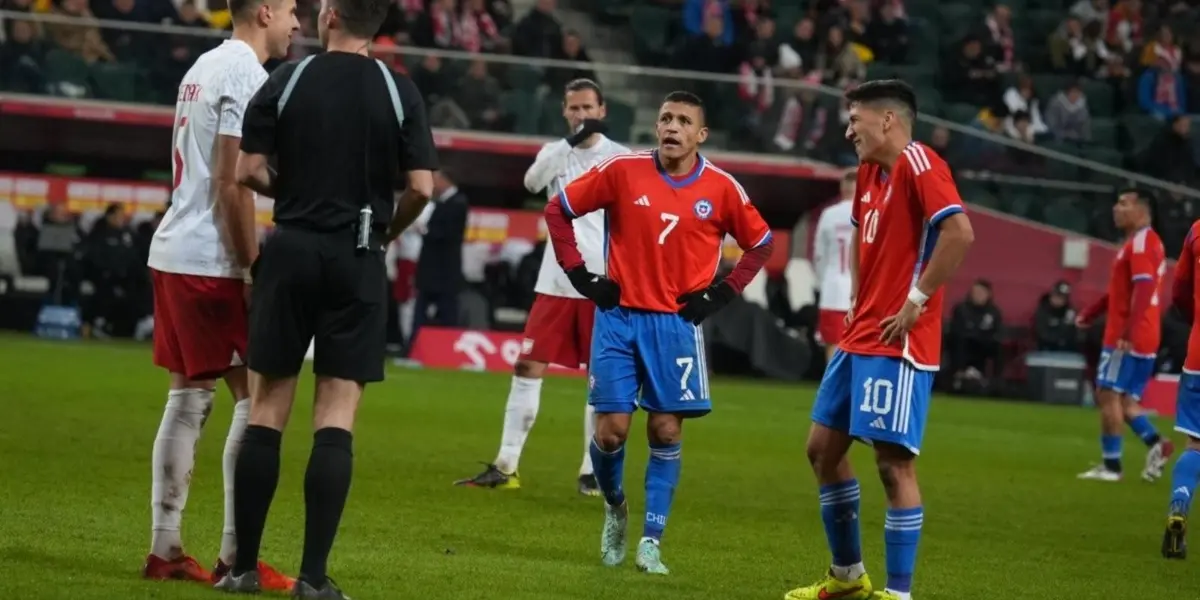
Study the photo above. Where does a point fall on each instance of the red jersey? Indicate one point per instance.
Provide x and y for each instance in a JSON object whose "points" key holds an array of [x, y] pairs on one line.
{"points": [[1187, 294], [897, 216], [1141, 258], [664, 234]]}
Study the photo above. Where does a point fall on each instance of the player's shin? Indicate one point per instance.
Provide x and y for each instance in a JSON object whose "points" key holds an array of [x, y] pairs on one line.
{"points": [[839, 513], [520, 412], [662, 476], [172, 461], [589, 432], [1144, 429], [610, 471], [1184, 477], [326, 486], [905, 516], [254, 481], [233, 444]]}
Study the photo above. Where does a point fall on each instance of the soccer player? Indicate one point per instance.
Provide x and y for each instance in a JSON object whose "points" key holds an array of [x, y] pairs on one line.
{"points": [[911, 236], [668, 211], [559, 328], [1186, 473], [1131, 337], [199, 256], [831, 261]]}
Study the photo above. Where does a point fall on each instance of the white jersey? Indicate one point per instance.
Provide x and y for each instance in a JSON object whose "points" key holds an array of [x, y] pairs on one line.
{"points": [[212, 101], [558, 164], [831, 256]]}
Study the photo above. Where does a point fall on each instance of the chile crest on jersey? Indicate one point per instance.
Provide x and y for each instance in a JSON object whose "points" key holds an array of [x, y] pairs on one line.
{"points": [[703, 208]]}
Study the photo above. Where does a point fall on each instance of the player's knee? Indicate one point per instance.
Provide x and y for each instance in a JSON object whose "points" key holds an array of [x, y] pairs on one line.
{"points": [[896, 468], [822, 457], [664, 429], [529, 369], [611, 431], [179, 381]]}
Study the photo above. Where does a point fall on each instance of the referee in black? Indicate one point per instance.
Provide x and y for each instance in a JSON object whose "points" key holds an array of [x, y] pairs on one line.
{"points": [[341, 126]]}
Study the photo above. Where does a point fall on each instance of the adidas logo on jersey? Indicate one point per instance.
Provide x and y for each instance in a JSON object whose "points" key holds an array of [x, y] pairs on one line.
{"points": [[643, 201], [687, 395], [878, 423]]}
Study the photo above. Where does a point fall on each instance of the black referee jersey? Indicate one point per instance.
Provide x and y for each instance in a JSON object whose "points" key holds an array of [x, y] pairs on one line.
{"points": [[341, 134], [341, 128]]}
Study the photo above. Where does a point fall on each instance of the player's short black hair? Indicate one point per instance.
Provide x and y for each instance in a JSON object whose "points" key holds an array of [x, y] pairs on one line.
{"points": [[581, 84], [885, 90], [1139, 195], [688, 98], [362, 18]]}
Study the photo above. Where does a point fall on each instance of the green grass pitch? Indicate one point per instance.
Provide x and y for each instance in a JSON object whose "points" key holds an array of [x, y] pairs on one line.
{"points": [[1005, 516]]}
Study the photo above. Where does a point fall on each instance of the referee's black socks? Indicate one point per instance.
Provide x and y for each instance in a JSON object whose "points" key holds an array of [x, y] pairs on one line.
{"points": [[326, 485], [254, 480]]}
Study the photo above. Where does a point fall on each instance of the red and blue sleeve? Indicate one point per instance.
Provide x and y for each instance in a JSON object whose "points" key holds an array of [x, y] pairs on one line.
{"points": [[934, 185], [751, 232], [591, 192], [1142, 268]]}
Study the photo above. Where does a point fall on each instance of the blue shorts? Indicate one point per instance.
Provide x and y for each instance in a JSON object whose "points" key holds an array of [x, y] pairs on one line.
{"points": [[1123, 372], [1187, 406], [875, 399], [658, 354]]}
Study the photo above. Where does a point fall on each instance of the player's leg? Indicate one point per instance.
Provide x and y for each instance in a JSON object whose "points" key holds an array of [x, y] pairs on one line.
{"points": [[1108, 401], [889, 408], [1185, 475], [830, 325], [282, 309], [612, 392], [674, 371], [585, 322], [188, 405], [1136, 372], [828, 443], [350, 343]]}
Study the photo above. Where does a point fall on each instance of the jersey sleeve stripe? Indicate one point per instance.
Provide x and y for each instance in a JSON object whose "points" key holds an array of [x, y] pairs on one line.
{"points": [[1142, 277], [745, 198], [765, 238], [918, 159], [566, 204], [1139, 241], [941, 215], [604, 164], [854, 222]]}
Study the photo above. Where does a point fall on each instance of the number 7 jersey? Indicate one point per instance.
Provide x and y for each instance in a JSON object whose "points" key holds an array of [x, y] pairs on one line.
{"points": [[897, 215], [663, 234]]}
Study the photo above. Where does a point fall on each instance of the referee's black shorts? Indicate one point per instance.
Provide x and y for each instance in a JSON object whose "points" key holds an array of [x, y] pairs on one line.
{"points": [[311, 285]]}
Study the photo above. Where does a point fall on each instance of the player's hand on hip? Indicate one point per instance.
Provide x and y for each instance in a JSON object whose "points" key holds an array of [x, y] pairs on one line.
{"points": [[898, 325], [1124, 345], [701, 304], [597, 288]]}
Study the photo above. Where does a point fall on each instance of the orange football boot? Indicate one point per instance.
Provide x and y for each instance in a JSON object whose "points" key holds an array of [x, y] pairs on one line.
{"points": [[269, 577], [184, 568]]}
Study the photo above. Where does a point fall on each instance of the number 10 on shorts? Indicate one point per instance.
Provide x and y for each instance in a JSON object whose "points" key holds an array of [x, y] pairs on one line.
{"points": [[877, 404]]}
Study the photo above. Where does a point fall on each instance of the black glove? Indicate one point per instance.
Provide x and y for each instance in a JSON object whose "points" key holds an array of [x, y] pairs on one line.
{"points": [[597, 288], [702, 304], [589, 127]]}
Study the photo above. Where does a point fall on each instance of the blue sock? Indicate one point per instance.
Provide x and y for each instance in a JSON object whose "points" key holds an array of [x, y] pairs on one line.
{"points": [[1184, 476], [609, 469], [1144, 429], [901, 532], [839, 512], [662, 475], [1110, 448]]}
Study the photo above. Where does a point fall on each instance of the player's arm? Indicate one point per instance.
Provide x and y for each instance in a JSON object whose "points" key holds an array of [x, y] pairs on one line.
{"points": [[1144, 261], [1088, 315], [418, 159], [551, 161], [592, 191], [821, 249], [258, 134], [1183, 296], [236, 201], [938, 197]]}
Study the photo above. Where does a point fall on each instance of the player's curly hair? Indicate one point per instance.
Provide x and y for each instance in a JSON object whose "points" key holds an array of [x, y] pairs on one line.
{"points": [[362, 18], [885, 90]]}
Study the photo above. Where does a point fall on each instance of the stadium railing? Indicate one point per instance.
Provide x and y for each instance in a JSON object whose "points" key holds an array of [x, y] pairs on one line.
{"points": [[1059, 184]]}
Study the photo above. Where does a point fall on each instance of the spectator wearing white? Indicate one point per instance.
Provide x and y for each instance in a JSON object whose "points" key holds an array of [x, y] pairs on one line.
{"points": [[1022, 97]]}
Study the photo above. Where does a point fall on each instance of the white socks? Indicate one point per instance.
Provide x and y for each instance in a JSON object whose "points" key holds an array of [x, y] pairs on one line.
{"points": [[519, 414], [171, 463], [233, 443], [589, 432], [848, 573]]}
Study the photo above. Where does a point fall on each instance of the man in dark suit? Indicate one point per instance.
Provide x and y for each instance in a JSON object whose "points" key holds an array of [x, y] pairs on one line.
{"points": [[439, 278]]}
